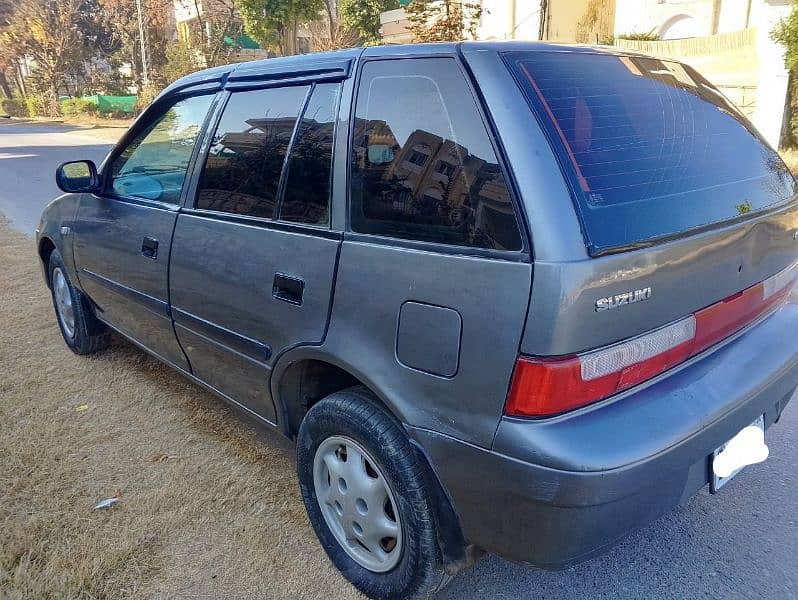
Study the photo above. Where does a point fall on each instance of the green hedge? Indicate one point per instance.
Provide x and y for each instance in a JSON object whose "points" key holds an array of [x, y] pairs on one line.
{"points": [[105, 105], [72, 107], [13, 107]]}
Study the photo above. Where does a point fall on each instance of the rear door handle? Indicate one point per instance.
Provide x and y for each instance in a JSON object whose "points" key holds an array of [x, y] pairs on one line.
{"points": [[288, 288], [149, 247]]}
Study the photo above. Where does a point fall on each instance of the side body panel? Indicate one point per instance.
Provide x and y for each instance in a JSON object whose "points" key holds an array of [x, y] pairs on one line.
{"points": [[128, 288], [375, 281], [226, 314], [244, 289], [59, 213]]}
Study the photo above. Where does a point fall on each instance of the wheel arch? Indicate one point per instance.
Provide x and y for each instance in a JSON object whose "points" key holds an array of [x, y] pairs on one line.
{"points": [[295, 387], [304, 375], [45, 250]]}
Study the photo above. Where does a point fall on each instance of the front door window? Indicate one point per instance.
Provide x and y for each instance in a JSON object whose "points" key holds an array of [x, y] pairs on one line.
{"points": [[153, 166]]}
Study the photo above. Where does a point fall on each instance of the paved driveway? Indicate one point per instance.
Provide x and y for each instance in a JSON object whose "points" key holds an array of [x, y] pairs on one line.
{"points": [[29, 155], [741, 543]]}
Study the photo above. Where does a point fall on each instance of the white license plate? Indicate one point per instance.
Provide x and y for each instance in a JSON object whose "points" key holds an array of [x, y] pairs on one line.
{"points": [[746, 448]]}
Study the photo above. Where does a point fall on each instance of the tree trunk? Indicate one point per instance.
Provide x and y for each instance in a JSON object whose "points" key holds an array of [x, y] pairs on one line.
{"points": [[6, 89], [20, 80], [54, 108], [330, 19]]}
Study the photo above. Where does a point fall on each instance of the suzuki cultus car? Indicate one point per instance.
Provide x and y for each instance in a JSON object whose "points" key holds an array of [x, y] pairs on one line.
{"points": [[507, 297]]}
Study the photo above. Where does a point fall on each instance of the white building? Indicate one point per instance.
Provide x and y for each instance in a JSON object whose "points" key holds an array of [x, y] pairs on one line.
{"points": [[749, 68]]}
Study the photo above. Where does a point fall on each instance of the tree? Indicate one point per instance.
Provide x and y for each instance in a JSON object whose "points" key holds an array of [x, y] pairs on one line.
{"points": [[325, 37], [181, 60], [363, 17], [122, 21], [329, 32], [216, 20], [275, 23], [443, 20], [58, 35], [786, 33], [6, 62]]}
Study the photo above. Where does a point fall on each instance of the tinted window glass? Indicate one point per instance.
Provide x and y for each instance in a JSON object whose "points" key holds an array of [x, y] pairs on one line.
{"points": [[423, 167], [242, 171], [153, 166], [307, 189], [652, 148]]}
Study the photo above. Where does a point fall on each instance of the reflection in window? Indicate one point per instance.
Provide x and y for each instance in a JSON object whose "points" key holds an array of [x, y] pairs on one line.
{"points": [[423, 167], [153, 166], [242, 172], [307, 189]]}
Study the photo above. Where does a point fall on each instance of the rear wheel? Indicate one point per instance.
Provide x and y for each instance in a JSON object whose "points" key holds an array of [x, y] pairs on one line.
{"points": [[82, 331], [367, 498]]}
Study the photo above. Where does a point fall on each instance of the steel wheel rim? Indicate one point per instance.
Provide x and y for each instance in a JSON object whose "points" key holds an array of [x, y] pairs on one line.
{"points": [[63, 303], [357, 503]]}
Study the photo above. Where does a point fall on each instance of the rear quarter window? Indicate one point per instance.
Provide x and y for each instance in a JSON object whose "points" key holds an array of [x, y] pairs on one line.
{"points": [[651, 149], [423, 166]]}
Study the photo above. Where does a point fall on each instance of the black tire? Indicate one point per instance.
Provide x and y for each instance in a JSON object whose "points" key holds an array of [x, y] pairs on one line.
{"points": [[90, 335], [356, 414]]}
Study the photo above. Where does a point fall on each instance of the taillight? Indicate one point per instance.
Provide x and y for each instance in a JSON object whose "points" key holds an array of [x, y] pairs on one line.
{"points": [[545, 387]]}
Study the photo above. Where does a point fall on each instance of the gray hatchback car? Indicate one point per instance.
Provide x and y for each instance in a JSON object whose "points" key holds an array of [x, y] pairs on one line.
{"points": [[507, 297]]}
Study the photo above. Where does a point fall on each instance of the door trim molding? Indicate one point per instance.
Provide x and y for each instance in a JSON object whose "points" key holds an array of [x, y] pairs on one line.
{"points": [[154, 305], [227, 339]]}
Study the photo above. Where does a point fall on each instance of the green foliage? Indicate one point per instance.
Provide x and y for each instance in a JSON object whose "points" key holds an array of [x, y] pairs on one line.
{"points": [[274, 23], [59, 37], [786, 33], [36, 105], [363, 17], [13, 107], [744, 207], [443, 20], [181, 60], [74, 107], [147, 95], [642, 36]]}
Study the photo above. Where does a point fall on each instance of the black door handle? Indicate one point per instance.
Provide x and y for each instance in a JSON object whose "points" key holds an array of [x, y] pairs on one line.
{"points": [[149, 248], [288, 289]]}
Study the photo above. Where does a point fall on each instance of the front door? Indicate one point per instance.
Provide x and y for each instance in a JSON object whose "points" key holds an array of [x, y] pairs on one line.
{"points": [[123, 235], [253, 262]]}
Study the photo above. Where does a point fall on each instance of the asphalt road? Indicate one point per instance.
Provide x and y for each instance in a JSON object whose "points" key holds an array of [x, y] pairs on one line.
{"points": [[741, 543], [29, 155]]}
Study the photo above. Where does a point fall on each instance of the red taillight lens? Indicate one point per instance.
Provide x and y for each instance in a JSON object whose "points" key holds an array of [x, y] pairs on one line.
{"points": [[545, 387]]}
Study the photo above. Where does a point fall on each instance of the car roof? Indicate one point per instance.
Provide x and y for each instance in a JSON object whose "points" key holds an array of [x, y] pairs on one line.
{"points": [[344, 59]]}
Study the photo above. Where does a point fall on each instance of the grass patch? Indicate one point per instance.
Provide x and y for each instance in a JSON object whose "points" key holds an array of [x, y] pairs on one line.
{"points": [[219, 517]]}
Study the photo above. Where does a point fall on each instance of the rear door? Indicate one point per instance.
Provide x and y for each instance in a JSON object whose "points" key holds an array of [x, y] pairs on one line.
{"points": [[123, 235], [253, 257], [434, 279]]}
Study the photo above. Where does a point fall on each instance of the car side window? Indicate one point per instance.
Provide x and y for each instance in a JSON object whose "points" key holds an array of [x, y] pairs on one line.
{"points": [[422, 165], [307, 188], [243, 167], [153, 166]]}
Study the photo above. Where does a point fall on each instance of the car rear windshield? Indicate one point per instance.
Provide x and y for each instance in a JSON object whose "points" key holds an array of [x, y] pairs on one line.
{"points": [[651, 149]]}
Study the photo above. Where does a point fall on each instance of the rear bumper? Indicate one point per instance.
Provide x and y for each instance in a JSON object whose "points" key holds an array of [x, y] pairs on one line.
{"points": [[558, 491]]}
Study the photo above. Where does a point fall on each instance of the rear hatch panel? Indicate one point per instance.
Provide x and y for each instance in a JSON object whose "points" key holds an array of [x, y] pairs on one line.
{"points": [[679, 200], [680, 277]]}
